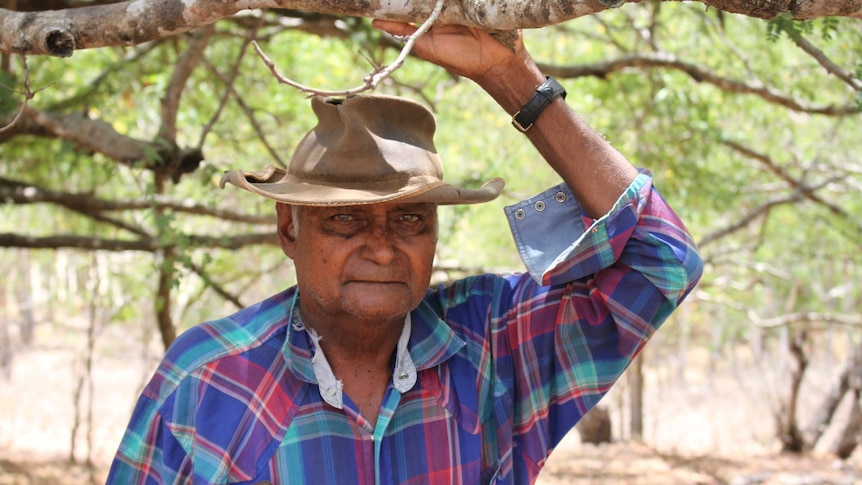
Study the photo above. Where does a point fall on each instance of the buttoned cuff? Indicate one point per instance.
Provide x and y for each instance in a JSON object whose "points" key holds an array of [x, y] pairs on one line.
{"points": [[552, 231]]}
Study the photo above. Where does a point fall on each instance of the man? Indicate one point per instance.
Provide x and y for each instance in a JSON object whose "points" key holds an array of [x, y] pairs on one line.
{"points": [[360, 373]]}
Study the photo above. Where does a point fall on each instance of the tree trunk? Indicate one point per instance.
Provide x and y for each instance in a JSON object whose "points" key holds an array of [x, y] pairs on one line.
{"points": [[636, 398], [595, 426], [27, 326], [163, 299], [679, 321], [788, 430], [849, 438], [6, 353], [167, 274], [852, 370]]}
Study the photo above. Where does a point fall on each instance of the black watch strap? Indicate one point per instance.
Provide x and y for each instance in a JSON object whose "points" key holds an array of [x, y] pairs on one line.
{"points": [[547, 92]]}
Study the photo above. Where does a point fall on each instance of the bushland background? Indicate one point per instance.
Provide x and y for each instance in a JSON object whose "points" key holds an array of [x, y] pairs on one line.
{"points": [[114, 235]]}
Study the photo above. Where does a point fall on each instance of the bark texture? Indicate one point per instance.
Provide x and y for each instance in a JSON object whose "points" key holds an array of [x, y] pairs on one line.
{"points": [[61, 32]]}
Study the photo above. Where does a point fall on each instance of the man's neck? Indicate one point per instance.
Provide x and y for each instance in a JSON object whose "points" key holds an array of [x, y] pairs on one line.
{"points": [[347, 342], [360, 355]]}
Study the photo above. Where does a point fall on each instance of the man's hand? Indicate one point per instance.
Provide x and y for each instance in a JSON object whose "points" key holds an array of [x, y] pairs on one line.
{"points": [[466, 51]]}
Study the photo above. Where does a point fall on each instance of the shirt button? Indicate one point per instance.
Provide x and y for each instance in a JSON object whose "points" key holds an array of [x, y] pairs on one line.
{"points": [[540, 206], [520, 214], [403, 376], [331, 392], [561, 197]]}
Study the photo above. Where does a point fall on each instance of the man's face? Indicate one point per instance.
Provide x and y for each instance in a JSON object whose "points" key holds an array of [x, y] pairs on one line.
{"points": [[365, 262]]}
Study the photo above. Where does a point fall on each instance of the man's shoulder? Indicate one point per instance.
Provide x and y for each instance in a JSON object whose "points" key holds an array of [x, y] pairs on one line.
{"points": [[477, 289], [262, 324], [473, 300]]}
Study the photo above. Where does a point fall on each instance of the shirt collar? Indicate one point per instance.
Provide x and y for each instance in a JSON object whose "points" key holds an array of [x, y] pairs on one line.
{"points": [[426, 341], [332, 389]]}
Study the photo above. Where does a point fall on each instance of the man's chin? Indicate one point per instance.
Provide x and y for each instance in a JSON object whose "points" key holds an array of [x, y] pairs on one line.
{"points": [[382, 302]]}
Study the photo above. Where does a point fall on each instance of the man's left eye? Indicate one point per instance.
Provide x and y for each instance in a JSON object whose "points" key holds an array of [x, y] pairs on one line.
{"points": [[411, 218], [408, 224]]}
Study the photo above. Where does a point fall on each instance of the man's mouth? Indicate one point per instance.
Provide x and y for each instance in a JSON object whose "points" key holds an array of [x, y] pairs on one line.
{"points": [[367, 281]]}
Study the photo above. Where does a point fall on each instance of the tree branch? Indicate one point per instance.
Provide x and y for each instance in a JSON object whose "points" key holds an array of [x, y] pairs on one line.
{"points": [[826, 62], [805, 317], [23, 193], [60, 32], [150, 245], [803, 188], [83, 97], [183, 69], [697, 73], [92, 134], [372, 80], [743, 221], [249, 113], [28, 95], [219, 289], [230, 80], [100, 137]]}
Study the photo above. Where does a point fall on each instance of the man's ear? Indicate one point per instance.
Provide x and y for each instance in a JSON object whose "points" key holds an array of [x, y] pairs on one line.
{"points": [[286, 233]]}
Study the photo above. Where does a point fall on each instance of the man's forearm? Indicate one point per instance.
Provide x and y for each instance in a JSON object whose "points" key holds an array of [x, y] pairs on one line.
{"points": [[590, 166], [595, 171]]}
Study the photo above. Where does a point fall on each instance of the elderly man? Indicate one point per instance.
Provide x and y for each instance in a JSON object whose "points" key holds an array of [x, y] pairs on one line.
{"points": [[362, 375]]}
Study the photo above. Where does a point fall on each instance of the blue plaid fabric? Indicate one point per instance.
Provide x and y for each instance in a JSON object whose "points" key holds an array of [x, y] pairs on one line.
{"points": [[506, 364]]}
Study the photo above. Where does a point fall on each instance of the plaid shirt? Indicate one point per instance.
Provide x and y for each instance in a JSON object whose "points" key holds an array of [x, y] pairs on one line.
{"points": [[504, 366]]}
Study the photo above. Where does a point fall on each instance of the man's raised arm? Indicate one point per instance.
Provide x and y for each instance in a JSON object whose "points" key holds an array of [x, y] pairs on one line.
{"points": [[597, 174]]}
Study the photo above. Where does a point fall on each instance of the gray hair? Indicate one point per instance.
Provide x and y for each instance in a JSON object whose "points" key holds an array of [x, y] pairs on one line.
{"points": [[293, 230]]}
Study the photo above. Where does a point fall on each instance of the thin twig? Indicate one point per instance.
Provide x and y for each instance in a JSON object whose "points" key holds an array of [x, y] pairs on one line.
{"points": [[826, 62], [28, 95], [372, 80], [234, 73], [249, 113], [803, 187], [804, 317], [210, 283]]}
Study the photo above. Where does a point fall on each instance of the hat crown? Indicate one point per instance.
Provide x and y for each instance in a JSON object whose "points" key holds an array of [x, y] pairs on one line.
{"points": [[364, 150], [365, 141]]}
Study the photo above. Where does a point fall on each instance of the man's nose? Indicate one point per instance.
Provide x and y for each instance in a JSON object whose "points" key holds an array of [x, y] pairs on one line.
{"points": [[379, 247]]}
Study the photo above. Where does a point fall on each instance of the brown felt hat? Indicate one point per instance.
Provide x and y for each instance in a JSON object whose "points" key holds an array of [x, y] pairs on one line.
{"points": [[364, 149]]}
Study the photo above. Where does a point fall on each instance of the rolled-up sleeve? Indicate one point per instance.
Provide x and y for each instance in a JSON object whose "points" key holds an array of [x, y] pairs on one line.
{"points": [[559, 243]]}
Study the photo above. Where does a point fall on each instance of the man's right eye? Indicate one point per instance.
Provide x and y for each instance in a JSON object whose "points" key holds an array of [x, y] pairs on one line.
{"points": [[344, 218], [345, 223]]}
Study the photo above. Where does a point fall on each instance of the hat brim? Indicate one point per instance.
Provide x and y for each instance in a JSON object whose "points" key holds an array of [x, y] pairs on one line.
{"points": [[273, 184]]}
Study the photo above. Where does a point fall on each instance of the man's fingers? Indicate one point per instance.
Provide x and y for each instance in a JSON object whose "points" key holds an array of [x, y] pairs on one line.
{"points": [[394, 28]]}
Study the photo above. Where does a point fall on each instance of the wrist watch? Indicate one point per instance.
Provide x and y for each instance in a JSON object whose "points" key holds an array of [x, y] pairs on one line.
{"points": [[544, 95]]}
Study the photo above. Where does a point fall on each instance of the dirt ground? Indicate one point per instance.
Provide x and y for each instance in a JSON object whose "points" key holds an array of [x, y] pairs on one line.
{"points": [[616, 463], [708, 428]]}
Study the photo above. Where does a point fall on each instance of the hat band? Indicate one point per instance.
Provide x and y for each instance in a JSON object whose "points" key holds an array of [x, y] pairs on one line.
{"points": [[391, 184]]}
